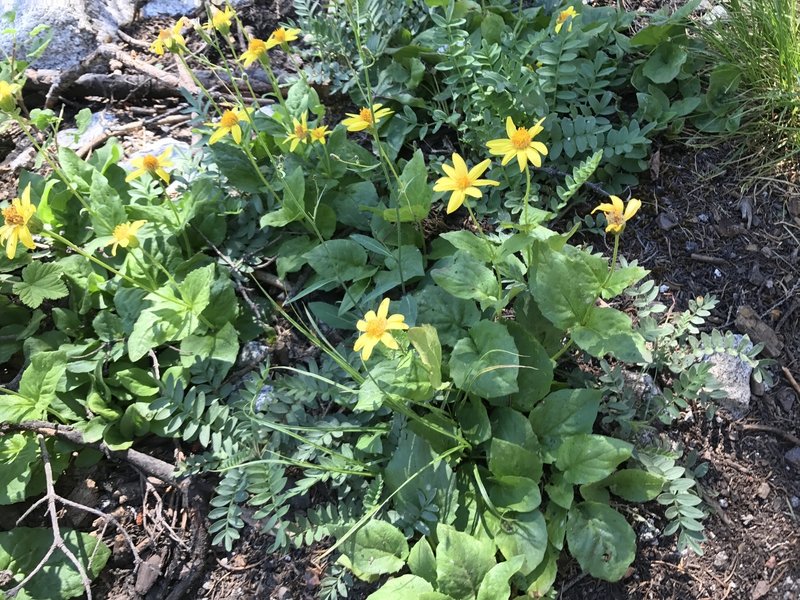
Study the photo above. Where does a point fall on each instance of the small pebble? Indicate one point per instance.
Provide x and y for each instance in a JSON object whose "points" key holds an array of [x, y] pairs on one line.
{"points": [[747, 519], [793, 457], [720, 560], [794, 501], [723, 503], [763, 491]]}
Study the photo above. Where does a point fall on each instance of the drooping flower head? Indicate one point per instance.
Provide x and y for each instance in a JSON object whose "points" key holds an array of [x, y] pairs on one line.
{"points": [[568, 14], [155, 165], [124, 235], [256, 48], [282, 36], [170, 40], [17, 215], [318, 134], [221, 20], [462, 182], [366, 118], [300, 132], [8, 95], [375, 328], [617, 214], [229, 124], [519, 144]]}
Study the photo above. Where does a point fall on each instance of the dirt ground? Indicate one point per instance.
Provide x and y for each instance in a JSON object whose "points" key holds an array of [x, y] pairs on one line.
{"points": [[706, 228]]}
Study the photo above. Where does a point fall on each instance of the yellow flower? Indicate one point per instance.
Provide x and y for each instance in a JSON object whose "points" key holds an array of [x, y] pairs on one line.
{"points": [[281, 36], [8, 95], [17, 215], [569, 13], [366, 117], [617, 214], [170, 40], [256, 48], [125, 235], [519, 143], [462, 182], [375, 328], [221, 20], [151, 164], [300, 133], [229, 123], [318, 134]]}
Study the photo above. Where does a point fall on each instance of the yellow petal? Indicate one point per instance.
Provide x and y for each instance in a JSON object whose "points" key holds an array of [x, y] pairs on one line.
{"points": [[389, 341], [26, 238], [218, 135], [135, 174], [534, 157], [445, 184], [633, 207], [236, 133], [605, 207], [383, 309], [478, 169], [473, 191], [11, 245], [510, 127], [522, 159], [361, 325], [459, 164], [539, 147], [479, 182], [163, 174], [449, 170], [456, 200], [369, 346], [619, 205]]}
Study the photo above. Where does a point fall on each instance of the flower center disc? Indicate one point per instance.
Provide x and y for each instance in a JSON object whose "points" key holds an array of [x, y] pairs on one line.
{"points": [[12, 216], [615, 218], [376, 328], [521, 138], [279, 35], [257, 47], [150, 162], [300, 131], [229, 119], [463, 182], [366, 115]]}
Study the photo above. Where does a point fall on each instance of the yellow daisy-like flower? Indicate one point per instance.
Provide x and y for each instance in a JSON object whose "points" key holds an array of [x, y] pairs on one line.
{"points": [[520, 143], [229, 123], [366, 117], [17, 215], [282, 36], [617, 214], [569, 13], [8, 95], [375, 328], [256, 48], [155, 165], [462, 182], [221, 20], [170, 40], [300, 133], [318, 134], [124, 235]]}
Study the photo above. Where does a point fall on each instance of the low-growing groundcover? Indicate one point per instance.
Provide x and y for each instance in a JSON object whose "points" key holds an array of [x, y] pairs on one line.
{"points": [[468, 404]]}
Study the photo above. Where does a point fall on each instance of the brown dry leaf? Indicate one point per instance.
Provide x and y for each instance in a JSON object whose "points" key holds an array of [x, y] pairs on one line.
{"points": [[761, 590], [655, 164]]}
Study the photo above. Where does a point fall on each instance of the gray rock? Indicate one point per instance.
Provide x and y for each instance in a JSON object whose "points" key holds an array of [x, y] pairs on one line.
{"points": [[733, 377], [793, 457]]}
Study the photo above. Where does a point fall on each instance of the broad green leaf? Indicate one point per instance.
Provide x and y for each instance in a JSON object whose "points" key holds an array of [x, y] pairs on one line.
{"points": [[40, 282], [211, 355], [587, 458], [556, 518], [422, 561], [524, 535], [426, 341], [601, 540], [293, 206], [461, 562], [107, 209], [414, 196], [495, 585], [474, 421], [665, 63], [564, 285], [405, 587], [137, 381], [621, 279], [339, 260], [22, 548], [564, 413], [486, 363], [195, 289], [635, 485], [377, 548], [468, 278], [451, 317], [509, 492], [559, 491], [609, 331], [18, 455], [535, 369], [542, 578], [478, 247], [232, 162], [37, 388], [508, 458]]}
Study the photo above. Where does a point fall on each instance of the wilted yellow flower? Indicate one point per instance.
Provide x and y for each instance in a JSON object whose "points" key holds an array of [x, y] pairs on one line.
{"points": [[366, 117], [462, 182], [617, 214], [318, 134], [256, 48], [221, 20], [375, 328], [124, 235], [229, 123], [519, 143], [170, 40], [8, 95], [17, 215], [154, 165], [282, 36], [300, 132], [569, 13]]}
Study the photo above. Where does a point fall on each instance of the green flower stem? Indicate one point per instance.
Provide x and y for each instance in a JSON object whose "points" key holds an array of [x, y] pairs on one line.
{"points": [[265, 64], [613, 264], [197, 82], [474, 220], [526, 199], [179, 224]]}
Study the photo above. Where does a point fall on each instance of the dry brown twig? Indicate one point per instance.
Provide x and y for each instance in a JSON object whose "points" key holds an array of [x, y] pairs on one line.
{"points": [[51, 498]]}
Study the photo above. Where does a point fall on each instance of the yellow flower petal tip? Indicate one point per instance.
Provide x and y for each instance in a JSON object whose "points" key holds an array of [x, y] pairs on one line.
{"points": [[519, 144], [366, 118], [568, 14], [17, 216], [462, 182], [376, 328], [617, 213]]}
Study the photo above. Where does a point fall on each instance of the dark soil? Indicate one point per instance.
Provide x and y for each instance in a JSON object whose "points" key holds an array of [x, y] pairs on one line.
{"points": [[705, 229]]}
